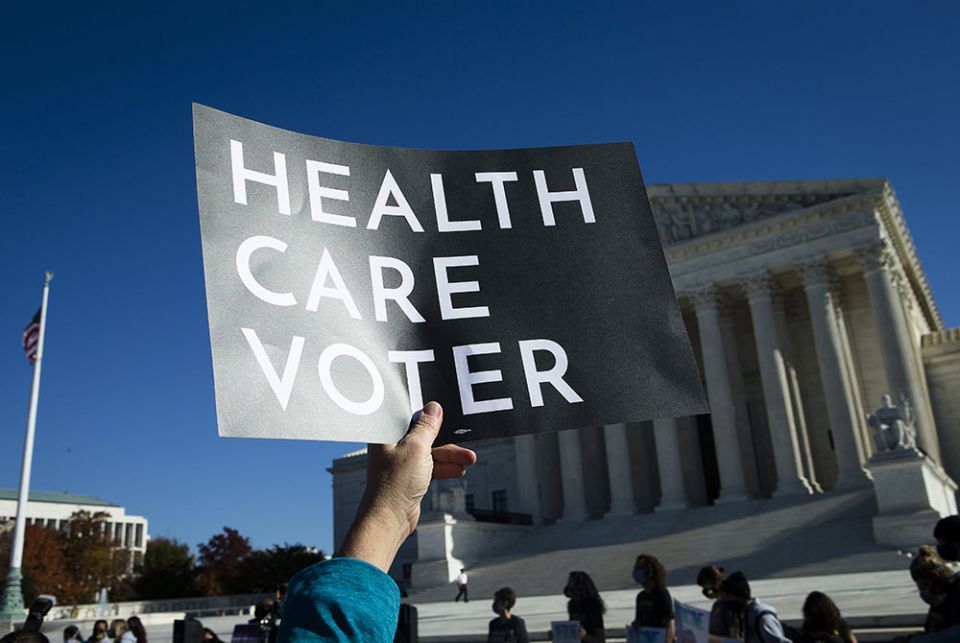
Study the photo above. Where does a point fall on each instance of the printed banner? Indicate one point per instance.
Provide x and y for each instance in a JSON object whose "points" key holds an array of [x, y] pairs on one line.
{"points": [[646, 634], [565, 631], [693, 623], [525, 290]]}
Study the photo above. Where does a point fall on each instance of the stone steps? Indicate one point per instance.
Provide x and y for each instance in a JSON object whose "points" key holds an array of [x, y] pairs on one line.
{"points": [[800, 536]]}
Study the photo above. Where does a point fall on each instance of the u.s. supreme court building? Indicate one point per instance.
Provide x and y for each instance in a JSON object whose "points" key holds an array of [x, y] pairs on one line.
{"points": [[805, 302]]}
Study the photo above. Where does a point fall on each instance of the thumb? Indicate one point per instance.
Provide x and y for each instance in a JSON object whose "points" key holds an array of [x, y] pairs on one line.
{"points": [[426, 425]]}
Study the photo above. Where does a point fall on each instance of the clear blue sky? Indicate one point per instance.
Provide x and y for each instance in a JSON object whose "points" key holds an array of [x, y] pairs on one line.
{"points": [[96, 160]]}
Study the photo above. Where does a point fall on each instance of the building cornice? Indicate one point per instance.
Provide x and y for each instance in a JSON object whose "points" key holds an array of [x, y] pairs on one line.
{"points": [[895, 224]]}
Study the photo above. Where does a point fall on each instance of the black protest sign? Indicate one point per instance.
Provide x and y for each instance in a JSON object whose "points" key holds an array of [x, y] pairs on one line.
{"points": [[525, 290]]}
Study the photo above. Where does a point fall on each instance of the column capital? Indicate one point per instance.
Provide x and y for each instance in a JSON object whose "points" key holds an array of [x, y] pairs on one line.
{"points": [[902, 284], [758, 285], [816, 271], [704, 297], [726, 308], [782, 301], [875, 256]]}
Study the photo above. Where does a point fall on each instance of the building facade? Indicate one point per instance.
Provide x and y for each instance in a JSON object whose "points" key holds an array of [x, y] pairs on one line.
{"points": [[53, 510], [805, 302]]}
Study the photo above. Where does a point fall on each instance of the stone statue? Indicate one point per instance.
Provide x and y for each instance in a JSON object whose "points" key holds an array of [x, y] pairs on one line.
{"points": [[447, 497], [893, 426]]}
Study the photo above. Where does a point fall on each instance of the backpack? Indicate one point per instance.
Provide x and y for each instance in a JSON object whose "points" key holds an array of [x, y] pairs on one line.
{"points": [[794, 634]]}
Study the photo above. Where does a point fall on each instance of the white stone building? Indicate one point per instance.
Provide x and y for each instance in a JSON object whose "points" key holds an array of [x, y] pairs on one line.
{"points": [[805, 302], [53, 510]]}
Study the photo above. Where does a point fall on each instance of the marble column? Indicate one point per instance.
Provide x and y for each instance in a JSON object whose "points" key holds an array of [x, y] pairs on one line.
{"points": [[723, 415], [782, 309], [673, 494], [877, 261], [751, 450], [622, 502], [528, 479], [571, 476], [821, 301], [776, 392]]}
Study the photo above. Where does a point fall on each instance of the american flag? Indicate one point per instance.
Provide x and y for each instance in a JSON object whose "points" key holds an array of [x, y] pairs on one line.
{"points": [[31, 335]]}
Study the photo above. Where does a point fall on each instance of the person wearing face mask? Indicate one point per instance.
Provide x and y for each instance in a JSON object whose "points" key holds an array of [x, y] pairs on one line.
{"points": [[760, 621], [654, 603], [507, 627], [724, 623], [586, 606]]}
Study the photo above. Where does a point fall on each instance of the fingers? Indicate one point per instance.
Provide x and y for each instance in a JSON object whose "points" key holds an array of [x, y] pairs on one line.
{"points": [[426, 425], [448, 470], [454, 454]]}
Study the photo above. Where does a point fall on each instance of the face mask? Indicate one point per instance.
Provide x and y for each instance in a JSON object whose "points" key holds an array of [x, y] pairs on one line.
{"points": [[949, 551], [932, 598], [733, 606], [710, 592], [567, 592], [497, 608], [639, 576]]}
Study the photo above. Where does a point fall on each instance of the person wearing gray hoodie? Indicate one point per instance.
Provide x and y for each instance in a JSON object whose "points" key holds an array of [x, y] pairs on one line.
{"points": [[759, 621]]}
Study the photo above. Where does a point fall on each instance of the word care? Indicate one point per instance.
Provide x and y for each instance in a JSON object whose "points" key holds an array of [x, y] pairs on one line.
{"points": [[525, 290]]}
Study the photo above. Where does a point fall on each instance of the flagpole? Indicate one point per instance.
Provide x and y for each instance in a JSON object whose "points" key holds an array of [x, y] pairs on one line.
{"points": [[11, 605]]}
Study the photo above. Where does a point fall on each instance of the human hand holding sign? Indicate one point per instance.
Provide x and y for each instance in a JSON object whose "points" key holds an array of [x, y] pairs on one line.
{"points": [[397, 479]]}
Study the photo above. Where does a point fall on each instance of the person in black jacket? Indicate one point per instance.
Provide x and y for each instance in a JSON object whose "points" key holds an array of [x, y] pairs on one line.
{"points": [[507, 627], [586, 606], [654, 603]]}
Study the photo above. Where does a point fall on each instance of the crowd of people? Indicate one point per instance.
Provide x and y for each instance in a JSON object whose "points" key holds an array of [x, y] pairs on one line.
{"points": [[119, 630], [351, 598], [736, 614]]}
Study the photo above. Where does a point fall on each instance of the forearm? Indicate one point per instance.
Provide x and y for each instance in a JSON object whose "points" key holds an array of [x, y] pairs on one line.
{"points": [[375, 537]]}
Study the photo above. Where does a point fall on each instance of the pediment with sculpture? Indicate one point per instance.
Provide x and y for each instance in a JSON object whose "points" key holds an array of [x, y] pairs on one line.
{"points": [[681, 217]]}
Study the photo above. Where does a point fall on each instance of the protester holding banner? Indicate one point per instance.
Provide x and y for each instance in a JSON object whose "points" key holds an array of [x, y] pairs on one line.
{"points": [[760, 621], [351, 597], [724, 622], [654, 603], [585, 606]]}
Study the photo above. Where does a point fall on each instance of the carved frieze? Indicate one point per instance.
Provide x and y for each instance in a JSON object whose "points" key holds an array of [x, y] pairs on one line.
{"points": [[684, 217]]}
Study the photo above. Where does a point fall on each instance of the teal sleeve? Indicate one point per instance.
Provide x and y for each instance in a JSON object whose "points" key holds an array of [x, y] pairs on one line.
{"points": [[341, 599]]}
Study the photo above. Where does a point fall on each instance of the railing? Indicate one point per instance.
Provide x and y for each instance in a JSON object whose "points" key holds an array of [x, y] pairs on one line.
{"points": [[197, 605], [502, 517]]}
